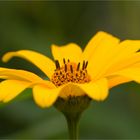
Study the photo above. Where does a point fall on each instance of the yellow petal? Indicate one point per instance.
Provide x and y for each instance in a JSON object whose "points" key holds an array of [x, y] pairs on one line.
{"points": [[4, 77], [99, 52], [45, 96], [132, 61], [96, 90], [18, 75], [117, 80], [136, 65], [124, 57], [71, 51], [41, 61], [9, 89], [130, 73], [127, 48], [100, 41], [71, 89]]}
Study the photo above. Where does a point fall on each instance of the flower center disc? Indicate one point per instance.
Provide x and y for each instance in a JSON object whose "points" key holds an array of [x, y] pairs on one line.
{"points": [[70, 72]]}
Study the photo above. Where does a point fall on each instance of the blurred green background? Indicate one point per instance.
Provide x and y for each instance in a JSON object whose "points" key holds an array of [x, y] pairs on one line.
{"points": [[37, 25]]}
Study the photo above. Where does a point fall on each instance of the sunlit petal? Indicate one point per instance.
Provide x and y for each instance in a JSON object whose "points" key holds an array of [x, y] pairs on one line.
{"points": [[18, 75], [127, 48], [45, 96], [117, 80], [71, 51], [131, 61], [129, 73], [100, 40], [96, 90], [9, 89], [99, 52], [41, 61]]}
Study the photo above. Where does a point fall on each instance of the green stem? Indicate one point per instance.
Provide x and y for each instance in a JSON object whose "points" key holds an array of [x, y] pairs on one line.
{"points": [[72, 108], [73, 126]]}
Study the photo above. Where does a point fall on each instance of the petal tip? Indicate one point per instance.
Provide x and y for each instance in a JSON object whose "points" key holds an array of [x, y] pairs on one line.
{"points": [[6, 57]]}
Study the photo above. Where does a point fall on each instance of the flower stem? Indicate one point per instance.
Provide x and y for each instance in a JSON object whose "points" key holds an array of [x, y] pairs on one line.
{"points": [[73, 126], [72, 108]]}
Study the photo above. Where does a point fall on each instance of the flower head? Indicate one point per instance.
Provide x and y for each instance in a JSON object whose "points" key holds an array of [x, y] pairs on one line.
{"points": [[104, 63]]}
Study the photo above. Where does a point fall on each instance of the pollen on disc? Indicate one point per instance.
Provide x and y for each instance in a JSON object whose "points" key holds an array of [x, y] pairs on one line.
{"points": [[70, 72]]}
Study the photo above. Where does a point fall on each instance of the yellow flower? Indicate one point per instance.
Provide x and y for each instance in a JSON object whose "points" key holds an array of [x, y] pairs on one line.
{"points": [[104, 63]]}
